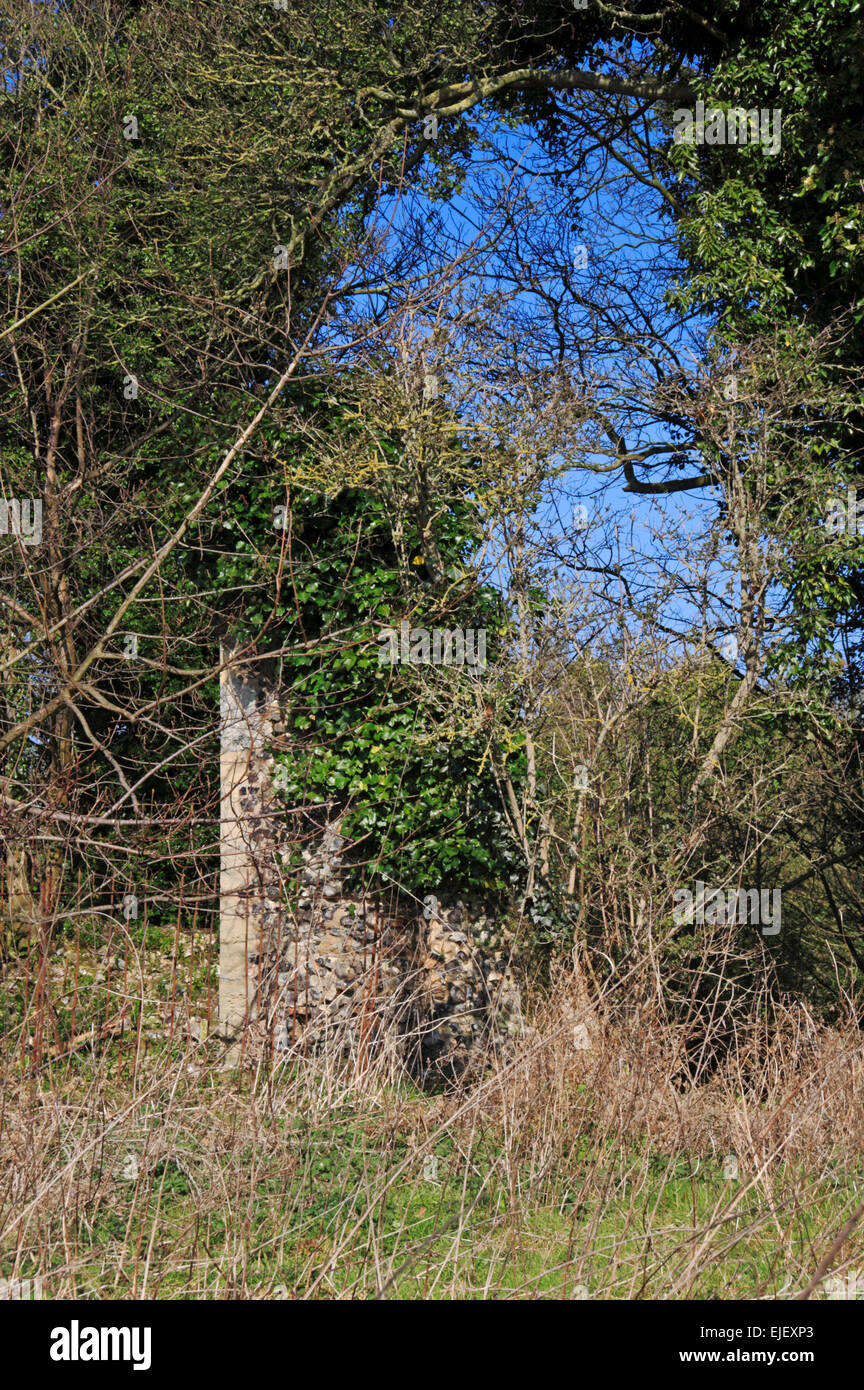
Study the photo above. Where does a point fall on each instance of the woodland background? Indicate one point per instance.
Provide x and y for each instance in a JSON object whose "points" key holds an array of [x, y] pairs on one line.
{"points": [[321, 317]]}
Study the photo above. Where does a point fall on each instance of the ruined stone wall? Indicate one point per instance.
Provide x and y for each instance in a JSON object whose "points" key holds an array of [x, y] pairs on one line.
{"points": [[304, 963]]}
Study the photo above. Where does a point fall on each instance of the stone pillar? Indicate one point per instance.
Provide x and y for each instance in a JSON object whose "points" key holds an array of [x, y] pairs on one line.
{"points": [[245, 730], [342, 965]]}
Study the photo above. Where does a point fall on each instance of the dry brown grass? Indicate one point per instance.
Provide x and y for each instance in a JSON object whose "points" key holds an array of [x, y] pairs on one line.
{"points": [[562, 1171]]}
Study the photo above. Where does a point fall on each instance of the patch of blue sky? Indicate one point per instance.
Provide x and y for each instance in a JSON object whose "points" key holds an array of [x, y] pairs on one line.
{"points": [[600, 318]]}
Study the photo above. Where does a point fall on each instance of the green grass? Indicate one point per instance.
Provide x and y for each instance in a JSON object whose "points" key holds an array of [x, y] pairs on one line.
{"points": [[275, 1202]]}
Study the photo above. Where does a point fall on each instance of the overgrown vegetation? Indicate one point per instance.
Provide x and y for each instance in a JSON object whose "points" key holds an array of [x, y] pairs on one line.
{"points": [[333, 319]]}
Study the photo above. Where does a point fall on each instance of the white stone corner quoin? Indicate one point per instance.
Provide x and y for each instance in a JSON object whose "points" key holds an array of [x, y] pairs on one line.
{"points": [[246, 726]]}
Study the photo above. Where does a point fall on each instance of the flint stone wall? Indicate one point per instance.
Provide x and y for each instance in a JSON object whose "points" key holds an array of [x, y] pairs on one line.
{"points": [[304, 963]]}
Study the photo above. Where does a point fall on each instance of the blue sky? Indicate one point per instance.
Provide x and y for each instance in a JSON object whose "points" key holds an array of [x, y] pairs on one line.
{"points": [[526, 276]]}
